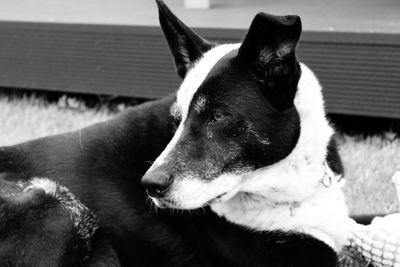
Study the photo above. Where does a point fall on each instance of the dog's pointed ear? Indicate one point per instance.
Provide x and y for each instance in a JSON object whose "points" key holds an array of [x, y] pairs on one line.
{"points": [[269, 49], [186, 45]]}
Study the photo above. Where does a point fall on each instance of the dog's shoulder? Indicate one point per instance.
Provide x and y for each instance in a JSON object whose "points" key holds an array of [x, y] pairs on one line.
{"points": [[234, 245]]}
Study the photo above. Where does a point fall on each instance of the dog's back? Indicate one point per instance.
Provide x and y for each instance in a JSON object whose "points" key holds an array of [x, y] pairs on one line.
{"points": [[101, 164]]}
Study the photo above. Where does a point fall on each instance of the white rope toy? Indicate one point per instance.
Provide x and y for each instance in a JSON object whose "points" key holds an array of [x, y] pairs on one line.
{"points": [[379, 242]]}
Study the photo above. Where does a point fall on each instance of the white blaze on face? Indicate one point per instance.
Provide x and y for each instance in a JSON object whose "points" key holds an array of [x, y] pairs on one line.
{"points": [[189, 87], [197, 75]]}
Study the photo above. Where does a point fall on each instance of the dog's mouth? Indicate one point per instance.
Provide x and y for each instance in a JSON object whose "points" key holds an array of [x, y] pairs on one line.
{"points": [[164, 202], [219, 198]]}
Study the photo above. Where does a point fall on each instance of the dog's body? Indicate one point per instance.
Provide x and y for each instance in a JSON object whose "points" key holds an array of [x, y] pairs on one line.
{"points": [[103, 165], [298, 222]]}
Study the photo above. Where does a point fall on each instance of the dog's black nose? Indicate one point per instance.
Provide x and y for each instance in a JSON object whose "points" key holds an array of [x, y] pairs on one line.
{"points": [[156, 183]]}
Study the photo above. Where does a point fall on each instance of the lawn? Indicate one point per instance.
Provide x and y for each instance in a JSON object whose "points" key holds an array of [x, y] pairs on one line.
{"points": [[369, 161]]}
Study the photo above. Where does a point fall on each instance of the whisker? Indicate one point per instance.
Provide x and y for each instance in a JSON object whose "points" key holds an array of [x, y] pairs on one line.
{"points": [[153, 207]]}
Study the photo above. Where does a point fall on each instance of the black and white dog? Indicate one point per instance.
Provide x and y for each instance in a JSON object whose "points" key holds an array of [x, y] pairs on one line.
{"points": [[252, 145], [242, 182]]}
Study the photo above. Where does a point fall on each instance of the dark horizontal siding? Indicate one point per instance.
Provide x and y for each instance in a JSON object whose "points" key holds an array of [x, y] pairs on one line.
{"points": [[359, 79], [89, 59], [360, 72]]}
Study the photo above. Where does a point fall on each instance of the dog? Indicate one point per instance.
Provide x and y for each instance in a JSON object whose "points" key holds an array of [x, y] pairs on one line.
{"points": [[42, 216], [252, 145], [242, 179]]}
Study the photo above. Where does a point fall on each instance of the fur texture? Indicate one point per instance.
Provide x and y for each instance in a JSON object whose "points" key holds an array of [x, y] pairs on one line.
{"points": [[104, 175], [43, 224]]}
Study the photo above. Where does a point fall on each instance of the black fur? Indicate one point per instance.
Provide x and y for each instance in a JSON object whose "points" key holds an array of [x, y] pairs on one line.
{"points": [[268, 51], [102, 165], [333, 158], [37, 230]]}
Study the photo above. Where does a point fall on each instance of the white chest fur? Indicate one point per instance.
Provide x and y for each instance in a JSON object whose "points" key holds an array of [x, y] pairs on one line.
{"points": [[322, 215]]}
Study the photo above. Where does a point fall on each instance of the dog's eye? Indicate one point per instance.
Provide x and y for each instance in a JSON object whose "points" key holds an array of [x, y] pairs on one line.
{"points": [[217, 116]]}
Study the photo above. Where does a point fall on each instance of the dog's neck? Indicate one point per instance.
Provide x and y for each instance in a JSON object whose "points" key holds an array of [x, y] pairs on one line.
{"points": [[322, 214], [289, 195]]}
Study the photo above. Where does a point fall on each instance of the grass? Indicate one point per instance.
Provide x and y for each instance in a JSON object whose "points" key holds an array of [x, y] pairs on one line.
{"points": [[369, 162], [31, 117], [369, 165]]}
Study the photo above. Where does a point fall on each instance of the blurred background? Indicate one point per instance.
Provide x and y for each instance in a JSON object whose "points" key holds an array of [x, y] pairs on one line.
{"points": [[68, 64]]}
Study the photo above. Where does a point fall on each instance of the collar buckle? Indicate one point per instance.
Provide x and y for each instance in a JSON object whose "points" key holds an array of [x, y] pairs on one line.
{"points": [[330, 177]]}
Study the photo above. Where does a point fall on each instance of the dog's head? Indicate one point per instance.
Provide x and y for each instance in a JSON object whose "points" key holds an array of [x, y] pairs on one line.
{"points": [[235, 107]]}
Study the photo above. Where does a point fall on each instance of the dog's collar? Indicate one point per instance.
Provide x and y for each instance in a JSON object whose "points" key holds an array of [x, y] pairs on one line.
{"points": [[330, 177]]}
